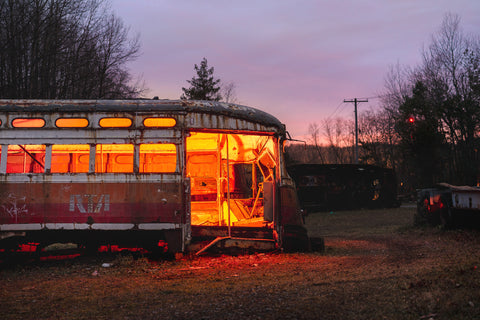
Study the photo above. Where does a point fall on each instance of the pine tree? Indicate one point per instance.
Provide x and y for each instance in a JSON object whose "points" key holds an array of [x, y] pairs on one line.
{"points": [[204, 86]]}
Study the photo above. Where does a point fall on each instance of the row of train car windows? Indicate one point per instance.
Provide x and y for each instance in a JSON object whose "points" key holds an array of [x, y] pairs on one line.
{"points": [[154, 158], [83, 122]]}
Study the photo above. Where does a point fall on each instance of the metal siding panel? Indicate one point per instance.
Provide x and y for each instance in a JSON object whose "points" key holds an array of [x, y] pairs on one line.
{"points": [[154, 202]]}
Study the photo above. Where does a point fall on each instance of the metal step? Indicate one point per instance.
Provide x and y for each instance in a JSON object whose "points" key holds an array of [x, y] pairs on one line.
{"points": [[240, 243]]}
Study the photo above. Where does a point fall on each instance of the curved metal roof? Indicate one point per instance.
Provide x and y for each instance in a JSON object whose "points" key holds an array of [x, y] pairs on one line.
{"points": [[207, 107]]}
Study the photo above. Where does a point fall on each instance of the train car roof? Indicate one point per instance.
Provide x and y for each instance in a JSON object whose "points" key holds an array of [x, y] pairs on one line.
{"points": [[143, 105], [309, 168]]}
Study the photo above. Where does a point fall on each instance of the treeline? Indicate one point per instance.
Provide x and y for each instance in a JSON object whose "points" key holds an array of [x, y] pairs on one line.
{"points": [[429, 127], [436, 108], [53, 49]]}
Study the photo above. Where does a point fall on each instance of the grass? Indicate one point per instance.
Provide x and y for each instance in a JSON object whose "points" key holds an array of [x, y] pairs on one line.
{"points": [[377, 265], [359, 223]]}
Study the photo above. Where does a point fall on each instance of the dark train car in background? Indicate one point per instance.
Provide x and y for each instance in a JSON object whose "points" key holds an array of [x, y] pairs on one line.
{"points": [[344, 186]]}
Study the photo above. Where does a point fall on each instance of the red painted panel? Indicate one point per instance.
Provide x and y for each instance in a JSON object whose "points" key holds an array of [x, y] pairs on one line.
{"points": [[102, 202]]}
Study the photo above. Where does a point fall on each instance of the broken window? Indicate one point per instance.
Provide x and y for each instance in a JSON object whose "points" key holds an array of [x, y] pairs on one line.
{"points": [[28, 158]]}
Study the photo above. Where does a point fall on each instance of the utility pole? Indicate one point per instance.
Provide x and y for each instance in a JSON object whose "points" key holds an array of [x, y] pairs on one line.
{"points": [[356, 101]]}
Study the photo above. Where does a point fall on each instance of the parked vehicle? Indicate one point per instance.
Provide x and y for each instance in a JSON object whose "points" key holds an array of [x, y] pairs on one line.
{"points": [[175, 174], [448, 205]]}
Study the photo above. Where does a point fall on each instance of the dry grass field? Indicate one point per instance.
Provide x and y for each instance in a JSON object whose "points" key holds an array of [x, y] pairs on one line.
{"points": [[376, 265]]}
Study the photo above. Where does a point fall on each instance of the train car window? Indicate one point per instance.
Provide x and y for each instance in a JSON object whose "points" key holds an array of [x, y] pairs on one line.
{"points": [[160, 122], [158, 158], [114, 158], [28, 123], [115, 122], [71, 123], [26, 158], [70, 158]]}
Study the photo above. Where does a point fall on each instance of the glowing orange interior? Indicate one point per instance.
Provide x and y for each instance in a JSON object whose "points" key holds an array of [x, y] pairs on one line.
{"points": [[71, 123], [115, 122], [28, 123], [26, 159], [229, 190], [158, 158], [114, 158], [70, 158], [227, 172], [160, 122]]}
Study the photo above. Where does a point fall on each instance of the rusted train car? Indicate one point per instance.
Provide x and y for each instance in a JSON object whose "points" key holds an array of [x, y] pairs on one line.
{"points": [[344, 186], [175, 174]]}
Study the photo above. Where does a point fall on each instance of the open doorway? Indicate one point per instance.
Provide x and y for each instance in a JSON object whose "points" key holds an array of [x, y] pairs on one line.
{"points": [[232, 179]]}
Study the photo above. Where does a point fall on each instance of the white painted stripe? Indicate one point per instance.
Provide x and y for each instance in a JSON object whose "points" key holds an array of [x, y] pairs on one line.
{"points": [[112, 226], [20, 227], [85, 226], [158, 226], [91, 178], [67, 226]]}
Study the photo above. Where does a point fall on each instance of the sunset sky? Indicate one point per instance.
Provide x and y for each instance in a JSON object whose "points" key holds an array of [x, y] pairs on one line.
{"points": [[297, 60]]}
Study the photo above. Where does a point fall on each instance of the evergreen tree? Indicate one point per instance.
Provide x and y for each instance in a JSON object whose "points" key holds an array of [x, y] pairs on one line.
{"points": [[204, 86]]}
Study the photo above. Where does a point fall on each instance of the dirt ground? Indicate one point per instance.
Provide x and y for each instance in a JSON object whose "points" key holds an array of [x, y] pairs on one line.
{"points": [[376, 265]]}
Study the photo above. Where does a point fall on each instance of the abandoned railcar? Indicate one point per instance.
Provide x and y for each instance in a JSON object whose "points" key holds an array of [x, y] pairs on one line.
{"points": [[182, 175], [344, 186]]}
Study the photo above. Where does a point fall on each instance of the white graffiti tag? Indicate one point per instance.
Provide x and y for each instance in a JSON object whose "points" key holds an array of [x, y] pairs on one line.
{"points": [[15, 206]]}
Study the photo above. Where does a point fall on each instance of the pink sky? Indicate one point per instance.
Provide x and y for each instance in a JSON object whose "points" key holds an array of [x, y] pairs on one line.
{"points": [[297, 60]]}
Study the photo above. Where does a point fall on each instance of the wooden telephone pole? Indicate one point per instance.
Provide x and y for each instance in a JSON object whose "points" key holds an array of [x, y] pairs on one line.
{"points": [[356, 101]]}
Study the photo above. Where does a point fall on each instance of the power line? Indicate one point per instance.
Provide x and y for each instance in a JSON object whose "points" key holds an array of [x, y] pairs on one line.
{"points": [[334, 111]]}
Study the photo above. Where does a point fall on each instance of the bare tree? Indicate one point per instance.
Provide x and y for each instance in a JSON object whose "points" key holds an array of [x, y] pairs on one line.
{"points": [[398, 86], [378, 138], [228, 92], [64, 49], [339, 135], [443, 96], [314, 131]]}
